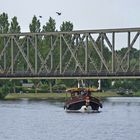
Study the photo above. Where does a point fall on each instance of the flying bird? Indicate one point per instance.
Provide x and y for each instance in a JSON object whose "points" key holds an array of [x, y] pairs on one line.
{"points": [[58, 13], [40, 16]]}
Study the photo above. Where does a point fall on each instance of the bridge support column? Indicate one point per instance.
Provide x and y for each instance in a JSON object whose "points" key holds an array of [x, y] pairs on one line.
{"points": [[60, 54], [12, 56], [113, 52], [35, 54], [86, 55], [128, 57]]}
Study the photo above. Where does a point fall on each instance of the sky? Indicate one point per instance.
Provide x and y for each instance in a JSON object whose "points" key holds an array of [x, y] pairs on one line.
{"points": [[84, 14]]}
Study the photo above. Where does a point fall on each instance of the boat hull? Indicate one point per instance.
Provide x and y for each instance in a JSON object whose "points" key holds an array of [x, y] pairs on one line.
{"points": [[82, 100], [83, 109], [82, 106]]}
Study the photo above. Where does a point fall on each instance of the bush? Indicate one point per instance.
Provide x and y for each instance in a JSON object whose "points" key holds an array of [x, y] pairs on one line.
{"points": [[4, 91], [59, 88]]}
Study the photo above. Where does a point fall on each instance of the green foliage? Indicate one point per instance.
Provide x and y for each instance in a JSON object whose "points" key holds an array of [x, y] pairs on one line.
{"points": [[14, 28], [47, 41], [127, 84], [93, 53], [4, 27], [105, 84], [35, 25], [59, 87], [50, 26], [4, 24], [4, 88], [66, 26], [134, 53]]}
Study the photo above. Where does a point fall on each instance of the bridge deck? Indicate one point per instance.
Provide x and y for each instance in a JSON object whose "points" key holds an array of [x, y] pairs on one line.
{"points": [[94, 75]]}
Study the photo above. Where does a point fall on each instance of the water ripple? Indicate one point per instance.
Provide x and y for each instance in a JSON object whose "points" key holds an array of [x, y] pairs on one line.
{"points": [[31, 120]]}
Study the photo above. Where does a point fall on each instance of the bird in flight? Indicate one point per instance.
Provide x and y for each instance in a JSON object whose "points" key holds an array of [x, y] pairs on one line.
{"points": [[58, 13], [40, 16]]}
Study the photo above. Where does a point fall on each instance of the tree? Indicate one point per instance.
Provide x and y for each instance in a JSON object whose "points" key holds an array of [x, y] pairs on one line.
{"points": [[4, 88], [14, 28], [34, 28], [4, 24], [106, 53], [66, 26], [50, 26], [4, 28], [49, 39], [35, 25]]}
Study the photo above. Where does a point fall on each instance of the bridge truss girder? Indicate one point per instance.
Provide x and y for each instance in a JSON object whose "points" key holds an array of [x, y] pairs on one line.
{"points": [[68, 54]]}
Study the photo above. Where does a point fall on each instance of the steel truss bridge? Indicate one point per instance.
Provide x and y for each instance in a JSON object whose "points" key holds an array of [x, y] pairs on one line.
{"points": [[86, 54]]}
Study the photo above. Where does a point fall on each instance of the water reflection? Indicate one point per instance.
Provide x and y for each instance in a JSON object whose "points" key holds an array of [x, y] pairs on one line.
{"points": [[124, 99], [41, 120], [128, 101]]}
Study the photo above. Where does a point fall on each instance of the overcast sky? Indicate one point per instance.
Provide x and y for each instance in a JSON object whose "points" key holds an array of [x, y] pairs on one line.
{"points": [[84, 14]]}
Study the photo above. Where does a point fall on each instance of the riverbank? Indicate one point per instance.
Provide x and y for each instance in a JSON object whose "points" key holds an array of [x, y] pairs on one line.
{"points": [[60, 96], [36, 96]]}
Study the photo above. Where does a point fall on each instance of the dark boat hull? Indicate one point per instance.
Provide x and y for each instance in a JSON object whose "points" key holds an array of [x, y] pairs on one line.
{"points": [[78, 105]]}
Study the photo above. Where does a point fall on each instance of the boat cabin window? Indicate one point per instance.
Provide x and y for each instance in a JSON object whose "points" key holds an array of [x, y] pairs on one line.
{"points": [[75, 94], [83, 93], [80, 93], [86, 93]]}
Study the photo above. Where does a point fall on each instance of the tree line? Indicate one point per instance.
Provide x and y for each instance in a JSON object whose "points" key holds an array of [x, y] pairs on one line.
{"points": [[34, 26]]}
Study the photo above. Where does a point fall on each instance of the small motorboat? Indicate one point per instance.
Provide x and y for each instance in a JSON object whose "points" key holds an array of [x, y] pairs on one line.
{"points": [[81, 100]]}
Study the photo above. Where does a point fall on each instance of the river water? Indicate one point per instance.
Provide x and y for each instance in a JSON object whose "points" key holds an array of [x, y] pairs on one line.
{"points": [[119, 119]]}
